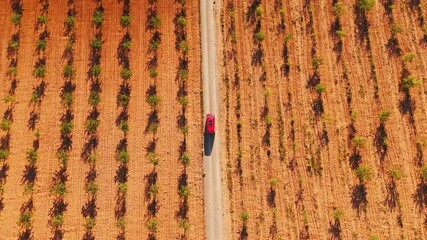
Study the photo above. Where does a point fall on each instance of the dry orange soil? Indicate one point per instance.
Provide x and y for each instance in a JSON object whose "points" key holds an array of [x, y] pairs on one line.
{"points": [[302, 115], [105, 207]]}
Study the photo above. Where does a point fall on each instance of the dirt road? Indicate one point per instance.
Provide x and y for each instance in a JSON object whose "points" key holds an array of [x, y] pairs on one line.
{"points": [[212, 166]]}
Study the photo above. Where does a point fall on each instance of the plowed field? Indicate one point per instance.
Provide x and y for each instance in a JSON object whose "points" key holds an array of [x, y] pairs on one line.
{"points": [[325, 119], [107, 194]]}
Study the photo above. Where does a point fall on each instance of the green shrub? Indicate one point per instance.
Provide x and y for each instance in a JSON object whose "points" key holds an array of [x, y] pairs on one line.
{"points": [[341, 33], [4, 154], [96, 43], [123, 156], [316, 62], [268, 120], [185, 159], [14, 44], [29, 188], [395, 28], [337, 214], [184, 191], [183, 223], [153, 127], [41, 45], [125, 20], [94, 98], [89, 222], [42, 19], [9, 98], [154, 21], [91, 125], [5, 124], [183, 100], [36, 97], [184, 130], [259, 11], [126, 45], [32, 155], [121, 223], [364, 173], [153, 158], [66, 127], [244, 216], [25, 219], [69, 71], [62, 156], [70, 20], [126, 73], [123, 100], [153, 190], [58, 219], [384, 115], [122, 187], [359, 141], [320, 88], [91, 188], [152, 225], [98, 17], [15, 18], [95, 70], [366, 5], [153, 73], [273, 182], [183, 74], [154, 44], [423, 173], [181, 21], [410, 82], [92, 157], [12, 70], [124, 126], [409, 57], [395, 174], [183, 45], [40, 71], [59, 189], [259, 36], [339, 9], [153, 100]]}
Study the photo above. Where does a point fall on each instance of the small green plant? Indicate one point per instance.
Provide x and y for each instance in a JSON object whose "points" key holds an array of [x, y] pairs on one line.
{"points": [[358, 141], [68, 71], [58, 219], [185, 159], [183, 100], [94, 98], [259, 36], [125, 20], [12, 71], [337, 214], [70, 20], [183, 45], [4, 154], [183, 223], [184, 191], [182, 22], [124, 126], [13, 44], [395, 173], [259, 11], [410, 82], [183, 74], [41, 45], [409, 57], [96, 43], [91, 125], [25, 219], [32, 155], [154, 21], [122, 187], [40, 71], [395, 28], [89, 222], [153, 73], [91, 188], [98, 17], [385, 115], [95, 70], [273, 182], [15, 18], [123, 100], [341, 33], [5, 124], [67, 99], [423, 173], [184, 130], [37, 133], [366, 5], [268, 120], [244, 216], [9, 98], [364, 173], [374, 238], [339, 9], [66, 127], [92, 157], [123, 156], [153, 100], [288, 37], [70, 44], [153, 127], [62, 156], [42, 19], [316, 62], [154, 44], [152, 225], [126, 73], [126, 45], [153, 190], [29, 188], [59, 189], [121, 223], [36, 97], [320, 88], [152, 157]]}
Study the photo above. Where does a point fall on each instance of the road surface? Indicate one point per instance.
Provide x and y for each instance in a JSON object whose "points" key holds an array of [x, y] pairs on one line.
{"points": [[211, 160]]}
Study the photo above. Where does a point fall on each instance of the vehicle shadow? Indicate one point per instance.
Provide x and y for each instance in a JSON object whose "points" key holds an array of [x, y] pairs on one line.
{"points": [[208, 143]]}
